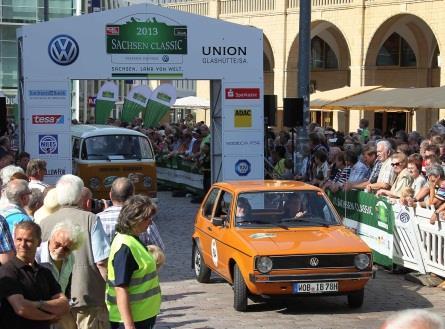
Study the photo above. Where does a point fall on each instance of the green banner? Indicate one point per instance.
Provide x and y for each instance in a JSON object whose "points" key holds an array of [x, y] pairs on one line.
{"points": [[102, 110], [130, 110], [371, 218], [178, 173], [154, 112], [149, 37]]}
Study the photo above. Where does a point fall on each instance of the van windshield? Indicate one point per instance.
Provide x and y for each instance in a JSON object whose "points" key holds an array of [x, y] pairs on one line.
{"points": [[116, 147]]}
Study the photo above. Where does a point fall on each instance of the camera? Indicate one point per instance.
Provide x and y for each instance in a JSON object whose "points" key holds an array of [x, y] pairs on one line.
{"points": [[98, 205]]}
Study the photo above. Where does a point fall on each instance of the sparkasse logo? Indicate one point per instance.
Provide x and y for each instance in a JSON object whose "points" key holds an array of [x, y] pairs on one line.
{"points": [[48, 119], [242, 93]]}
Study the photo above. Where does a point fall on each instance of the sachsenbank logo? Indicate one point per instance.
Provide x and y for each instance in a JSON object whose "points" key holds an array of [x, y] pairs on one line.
{"points": [[48, 119]]}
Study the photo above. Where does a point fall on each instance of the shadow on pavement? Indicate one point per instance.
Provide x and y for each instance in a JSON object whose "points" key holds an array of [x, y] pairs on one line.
{"points": [[169, 297]]}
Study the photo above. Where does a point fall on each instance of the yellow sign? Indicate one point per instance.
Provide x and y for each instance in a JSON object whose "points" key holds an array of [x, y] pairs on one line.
{"points": [[243, 118]]}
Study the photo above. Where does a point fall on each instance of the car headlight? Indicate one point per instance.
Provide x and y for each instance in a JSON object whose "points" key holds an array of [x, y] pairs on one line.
{"points": [[361, 261], [264, 264], [94, 183]]}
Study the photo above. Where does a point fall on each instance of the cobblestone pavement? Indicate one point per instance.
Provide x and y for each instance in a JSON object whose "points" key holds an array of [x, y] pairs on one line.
{"points": [[189, 304]]}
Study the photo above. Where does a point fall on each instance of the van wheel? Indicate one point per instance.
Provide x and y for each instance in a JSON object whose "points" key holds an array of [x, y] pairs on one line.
{"points": [[239, 291], [202, 272], [355, 299]]}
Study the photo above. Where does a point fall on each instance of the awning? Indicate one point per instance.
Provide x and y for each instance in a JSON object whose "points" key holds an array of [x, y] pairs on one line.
{"points": [[192, 102], [377, 98], [320, 99]]}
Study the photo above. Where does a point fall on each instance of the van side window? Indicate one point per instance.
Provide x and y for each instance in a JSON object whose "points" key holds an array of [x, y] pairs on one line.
{"points": [[76, 148], [209, 204], [84, 155]]}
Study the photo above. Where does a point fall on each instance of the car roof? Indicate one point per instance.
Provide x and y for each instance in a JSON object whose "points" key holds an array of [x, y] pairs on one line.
{"points": [[85, 131], [265, 185]]}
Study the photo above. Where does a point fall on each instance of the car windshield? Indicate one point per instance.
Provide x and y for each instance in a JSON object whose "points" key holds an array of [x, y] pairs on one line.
{"points": [[116, 147], [283, 209]]}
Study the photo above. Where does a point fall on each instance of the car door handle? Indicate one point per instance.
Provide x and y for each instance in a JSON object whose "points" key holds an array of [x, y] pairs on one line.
{"points": [[209, 228]]}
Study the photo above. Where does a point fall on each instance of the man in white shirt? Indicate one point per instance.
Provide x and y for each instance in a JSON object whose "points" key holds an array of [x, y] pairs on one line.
{"points": [[36, 171], [56, 255]]}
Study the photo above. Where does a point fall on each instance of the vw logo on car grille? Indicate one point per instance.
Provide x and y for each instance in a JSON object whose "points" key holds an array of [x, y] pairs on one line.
{"points": [[63, 49], [314, 261]]}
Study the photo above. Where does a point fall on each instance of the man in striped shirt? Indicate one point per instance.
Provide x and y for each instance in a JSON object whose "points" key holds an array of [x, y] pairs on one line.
{"points": [[121, 190], [6, 242]]}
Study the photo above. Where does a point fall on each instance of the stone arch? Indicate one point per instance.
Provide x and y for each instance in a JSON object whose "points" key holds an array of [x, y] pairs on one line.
{"points": [[322, 79], [268, 66], [420, 37]]}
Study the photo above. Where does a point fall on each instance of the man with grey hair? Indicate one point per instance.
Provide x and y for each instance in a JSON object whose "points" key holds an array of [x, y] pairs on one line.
{"points": [[17, 194], [36, 171], [387, 175], [121, 189], [56, 255], [89, 270], [414, 319], [436, 183]]}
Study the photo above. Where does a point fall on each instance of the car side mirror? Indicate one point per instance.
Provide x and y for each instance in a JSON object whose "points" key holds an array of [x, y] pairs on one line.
{"points": [[218, 221]]}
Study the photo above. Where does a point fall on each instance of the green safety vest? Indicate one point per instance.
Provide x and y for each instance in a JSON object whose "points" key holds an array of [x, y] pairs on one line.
{"points": [[144, 291]]}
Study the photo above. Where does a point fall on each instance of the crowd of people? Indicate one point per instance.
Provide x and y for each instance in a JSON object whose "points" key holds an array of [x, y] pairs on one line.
{"points": [[61, 265], [404, 167]]}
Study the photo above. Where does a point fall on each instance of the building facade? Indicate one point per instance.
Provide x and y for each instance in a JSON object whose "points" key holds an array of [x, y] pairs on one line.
{"points": [[13, 14], [390, 43]]}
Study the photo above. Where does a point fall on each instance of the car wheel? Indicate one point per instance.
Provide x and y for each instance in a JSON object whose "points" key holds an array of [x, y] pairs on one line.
{"points": [[202, 272], [355, 299], [239, 291]]}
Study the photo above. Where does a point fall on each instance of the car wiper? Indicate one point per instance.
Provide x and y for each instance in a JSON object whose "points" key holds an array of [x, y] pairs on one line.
{"points": [[304, 220]]}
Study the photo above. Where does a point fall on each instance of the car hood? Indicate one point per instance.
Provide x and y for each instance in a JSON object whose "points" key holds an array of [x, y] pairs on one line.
{"points": [[333, 239]]}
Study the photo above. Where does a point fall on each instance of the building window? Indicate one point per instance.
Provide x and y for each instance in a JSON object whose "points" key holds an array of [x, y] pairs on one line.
{"points": [[322, 55], [396, 52]]}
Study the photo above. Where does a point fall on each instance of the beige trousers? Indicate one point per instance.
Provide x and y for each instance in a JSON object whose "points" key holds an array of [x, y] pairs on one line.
{"points": [[91, 317]]}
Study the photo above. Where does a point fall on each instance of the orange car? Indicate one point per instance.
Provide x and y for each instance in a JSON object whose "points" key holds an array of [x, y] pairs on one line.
{"points": [[271, 238]]}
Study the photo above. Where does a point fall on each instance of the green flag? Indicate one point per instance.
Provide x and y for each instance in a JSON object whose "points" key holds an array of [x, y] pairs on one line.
{"points": [[106, 97], [135, 102], [161, 101]]}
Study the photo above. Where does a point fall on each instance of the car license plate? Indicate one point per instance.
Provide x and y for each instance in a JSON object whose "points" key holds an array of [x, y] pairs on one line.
{"points": [[314, 287]]}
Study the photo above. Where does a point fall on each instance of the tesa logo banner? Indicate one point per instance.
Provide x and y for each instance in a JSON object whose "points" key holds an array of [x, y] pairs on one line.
{"points": [[242, 93], [112, 30], [48, 119]]}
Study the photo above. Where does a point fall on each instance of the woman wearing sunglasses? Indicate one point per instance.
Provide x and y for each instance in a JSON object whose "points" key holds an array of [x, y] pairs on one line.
{"points": [[399, 162]]}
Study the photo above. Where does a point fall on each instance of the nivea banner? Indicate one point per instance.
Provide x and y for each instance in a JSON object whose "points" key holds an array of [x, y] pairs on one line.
{"points": [[161, 101], [135, 102], [106, 97]]}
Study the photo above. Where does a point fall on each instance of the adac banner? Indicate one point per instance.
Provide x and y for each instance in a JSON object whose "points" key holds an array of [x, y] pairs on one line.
{"points": [[371, 218], [106, 97], [135, 102]]}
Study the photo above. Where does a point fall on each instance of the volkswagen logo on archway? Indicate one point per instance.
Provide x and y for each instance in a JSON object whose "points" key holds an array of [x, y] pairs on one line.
{"points": [[63, 49]]}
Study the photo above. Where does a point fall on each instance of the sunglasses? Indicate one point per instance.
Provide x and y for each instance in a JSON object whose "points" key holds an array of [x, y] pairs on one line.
{"points": [[396, 164]]}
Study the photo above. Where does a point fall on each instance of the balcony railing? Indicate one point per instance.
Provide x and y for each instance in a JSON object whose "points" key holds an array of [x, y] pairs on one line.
{"points": [[229, 7], [236, 7], [198, 7]]}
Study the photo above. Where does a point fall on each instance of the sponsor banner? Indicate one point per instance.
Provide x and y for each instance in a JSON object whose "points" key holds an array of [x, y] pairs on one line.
{"points": [[248, 143], [47, 119], [135, 102], [242, 93], [160, 103], [243, 118], [143, 42], [106, 97], [47, 94], [243, 167], [55, 168], [49, 145], [371, 218]]}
